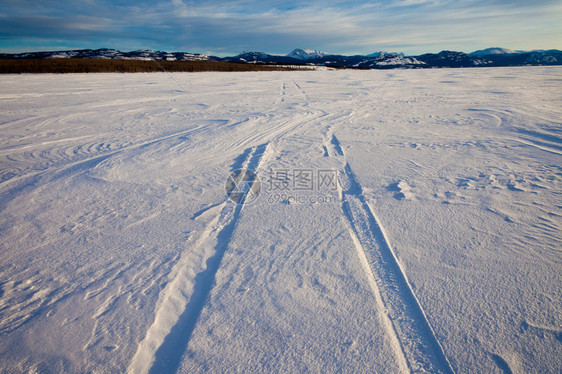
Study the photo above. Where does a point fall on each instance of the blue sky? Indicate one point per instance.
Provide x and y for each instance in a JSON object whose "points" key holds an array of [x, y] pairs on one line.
{"points": [[220, 28]]}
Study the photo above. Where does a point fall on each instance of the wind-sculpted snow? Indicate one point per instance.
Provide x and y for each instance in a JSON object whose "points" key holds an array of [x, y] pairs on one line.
{"points": [[405, 221]]}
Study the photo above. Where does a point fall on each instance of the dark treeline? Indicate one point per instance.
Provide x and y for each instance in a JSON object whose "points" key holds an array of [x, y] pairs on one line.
{"points": [[76, 65]]}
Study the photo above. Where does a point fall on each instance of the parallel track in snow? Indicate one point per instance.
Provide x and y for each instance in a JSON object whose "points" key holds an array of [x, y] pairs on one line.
{"points": [[417, 341]]}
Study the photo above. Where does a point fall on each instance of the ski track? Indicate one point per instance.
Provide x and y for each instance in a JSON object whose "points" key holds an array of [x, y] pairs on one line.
{"points": [[412, 336], [192, 280]]}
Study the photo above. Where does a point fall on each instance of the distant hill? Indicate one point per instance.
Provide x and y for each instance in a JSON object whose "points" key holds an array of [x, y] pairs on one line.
{"points": [[378, 60], [112, 54]]}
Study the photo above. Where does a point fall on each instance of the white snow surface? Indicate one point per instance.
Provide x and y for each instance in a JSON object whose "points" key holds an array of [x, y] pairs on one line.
{"points": [[436, 248]]}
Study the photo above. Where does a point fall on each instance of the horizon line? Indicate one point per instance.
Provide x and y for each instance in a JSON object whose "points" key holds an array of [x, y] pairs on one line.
{"points": [[33, 50]]}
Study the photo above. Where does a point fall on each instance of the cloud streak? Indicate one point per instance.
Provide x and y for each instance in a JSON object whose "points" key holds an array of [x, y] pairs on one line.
{"points": [[227, 27]]}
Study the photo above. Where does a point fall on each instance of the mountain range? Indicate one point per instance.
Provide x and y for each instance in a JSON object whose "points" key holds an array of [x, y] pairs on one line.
{"points": [[377, 60]]}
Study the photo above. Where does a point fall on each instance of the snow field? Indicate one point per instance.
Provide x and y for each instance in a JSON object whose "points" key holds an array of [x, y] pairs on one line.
{"points": [[439, 252]]}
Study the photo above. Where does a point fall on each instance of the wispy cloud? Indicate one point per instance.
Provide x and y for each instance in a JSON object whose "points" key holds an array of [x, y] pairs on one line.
{"points": [[227, 27]]}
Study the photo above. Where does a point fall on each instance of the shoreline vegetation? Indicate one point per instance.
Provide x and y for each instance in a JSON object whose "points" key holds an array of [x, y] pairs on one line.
{"points": [[79, 65]]}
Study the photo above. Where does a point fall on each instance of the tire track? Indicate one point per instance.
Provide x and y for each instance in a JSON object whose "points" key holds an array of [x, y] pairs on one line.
{"points": [[192, 279], [416, 339]]}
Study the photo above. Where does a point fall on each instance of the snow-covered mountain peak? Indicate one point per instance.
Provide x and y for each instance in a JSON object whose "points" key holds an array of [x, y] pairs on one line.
{"points": [[383, 54], [493, 51], [306, 54]]}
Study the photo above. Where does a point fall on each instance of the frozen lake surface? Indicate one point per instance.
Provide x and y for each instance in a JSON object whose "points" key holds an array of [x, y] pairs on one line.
{"points": [[400, 221]]}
